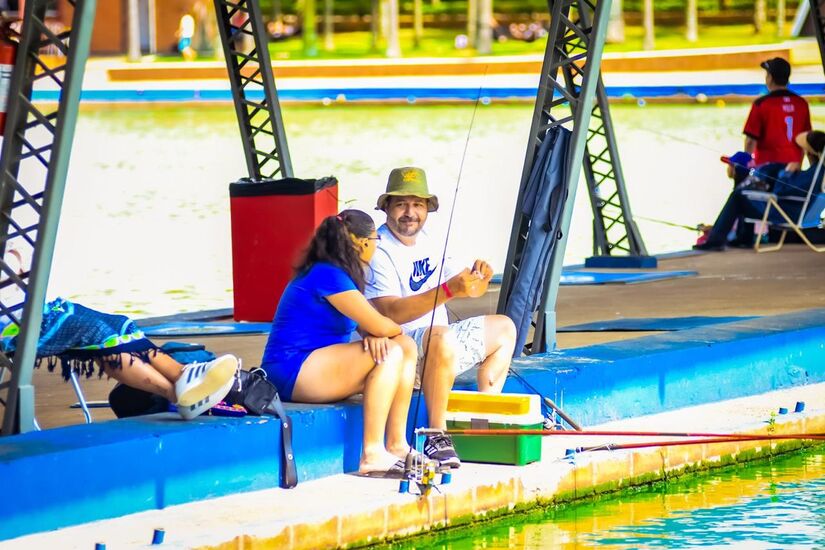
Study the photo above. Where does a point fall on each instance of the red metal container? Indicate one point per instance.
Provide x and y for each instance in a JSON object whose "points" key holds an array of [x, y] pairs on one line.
{"points": [[272, 222]]}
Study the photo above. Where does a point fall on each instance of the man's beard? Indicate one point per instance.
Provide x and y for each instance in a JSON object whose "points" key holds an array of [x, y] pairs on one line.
{"points": [[407, 227]]}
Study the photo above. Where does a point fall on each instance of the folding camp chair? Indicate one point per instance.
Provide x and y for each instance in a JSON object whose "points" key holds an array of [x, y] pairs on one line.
{"points": [[780, 212]]}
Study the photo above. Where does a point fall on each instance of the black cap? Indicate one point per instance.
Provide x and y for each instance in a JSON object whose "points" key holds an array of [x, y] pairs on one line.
{"points": [[779, 69]]}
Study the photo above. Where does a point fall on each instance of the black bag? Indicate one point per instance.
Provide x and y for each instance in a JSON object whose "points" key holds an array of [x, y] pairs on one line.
{"points": [[259, 396]]}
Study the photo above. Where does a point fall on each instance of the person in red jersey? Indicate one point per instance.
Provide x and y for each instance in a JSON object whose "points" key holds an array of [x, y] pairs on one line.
{"points": [[776, 119]]}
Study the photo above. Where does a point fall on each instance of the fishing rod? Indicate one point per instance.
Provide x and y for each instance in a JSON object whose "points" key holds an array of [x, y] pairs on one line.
{"points": [[680, 442], [549, 402], [438, 289], [671, 224], [762, 176], [614, 433]]}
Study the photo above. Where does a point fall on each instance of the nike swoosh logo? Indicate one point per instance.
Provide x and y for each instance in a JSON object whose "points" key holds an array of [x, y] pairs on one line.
{"points": [[416, 285]]}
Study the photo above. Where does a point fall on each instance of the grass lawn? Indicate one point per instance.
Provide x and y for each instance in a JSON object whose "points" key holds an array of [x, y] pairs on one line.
{"points": [[441, 43]]}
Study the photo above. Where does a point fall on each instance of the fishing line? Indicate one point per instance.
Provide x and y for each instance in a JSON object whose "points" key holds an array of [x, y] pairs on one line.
{"points": [[438, 289], [665, 222], [763, 177]]}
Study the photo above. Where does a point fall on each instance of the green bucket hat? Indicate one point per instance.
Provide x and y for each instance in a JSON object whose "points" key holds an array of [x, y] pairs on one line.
{"points": [[405, 182]]}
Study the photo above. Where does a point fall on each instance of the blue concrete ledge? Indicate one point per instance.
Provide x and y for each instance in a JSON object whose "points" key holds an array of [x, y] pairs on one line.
{"points": [[84, 473], [668, 371], [413, 94]]}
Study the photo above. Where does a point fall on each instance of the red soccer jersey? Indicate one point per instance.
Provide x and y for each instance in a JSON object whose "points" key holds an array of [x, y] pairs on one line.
{"points": [[774, 121]]}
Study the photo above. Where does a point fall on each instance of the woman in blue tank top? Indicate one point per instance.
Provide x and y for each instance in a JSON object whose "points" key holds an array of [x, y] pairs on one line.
{"points": [[310, 355]]}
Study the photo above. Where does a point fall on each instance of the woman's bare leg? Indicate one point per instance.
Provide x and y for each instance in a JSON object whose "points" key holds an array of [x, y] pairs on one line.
{"points": [[397, 420], [164, 364], [138, 374], [339, 371]]}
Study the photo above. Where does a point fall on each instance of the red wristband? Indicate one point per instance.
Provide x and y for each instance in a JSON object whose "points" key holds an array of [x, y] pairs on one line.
{"points": [[446, 290]]}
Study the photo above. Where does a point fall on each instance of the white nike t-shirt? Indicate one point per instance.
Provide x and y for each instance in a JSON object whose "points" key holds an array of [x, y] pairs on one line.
{"points": [[400, 270]]}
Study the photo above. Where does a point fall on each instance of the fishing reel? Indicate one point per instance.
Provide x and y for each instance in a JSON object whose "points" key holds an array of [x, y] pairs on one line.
{"points": [[420, 472]]}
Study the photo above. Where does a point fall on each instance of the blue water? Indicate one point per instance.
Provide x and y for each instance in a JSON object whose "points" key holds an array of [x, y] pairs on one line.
{"points": [[776, 504]]}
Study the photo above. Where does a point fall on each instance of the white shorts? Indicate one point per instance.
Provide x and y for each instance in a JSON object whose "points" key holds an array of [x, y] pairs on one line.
{"points": [[469, 339]]}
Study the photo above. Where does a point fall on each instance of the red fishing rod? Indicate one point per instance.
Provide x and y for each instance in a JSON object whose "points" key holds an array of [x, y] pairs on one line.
{"points": [[612, 433], [672, 443]]}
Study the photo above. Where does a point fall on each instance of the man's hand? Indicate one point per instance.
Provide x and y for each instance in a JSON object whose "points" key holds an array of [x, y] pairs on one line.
{"points": [[462, 285], [471, 283], [377, 348], [793, 167], [483, 273]]}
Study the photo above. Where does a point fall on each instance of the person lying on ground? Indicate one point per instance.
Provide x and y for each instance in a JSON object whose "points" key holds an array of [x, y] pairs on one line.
{"points": [[310, 355], [83, 339], [779, 181], [404, 285]]}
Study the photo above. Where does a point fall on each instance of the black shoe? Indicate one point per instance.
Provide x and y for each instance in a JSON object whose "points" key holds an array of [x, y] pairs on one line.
{"points": [[439, 447], [736, 243], [709, 246]]}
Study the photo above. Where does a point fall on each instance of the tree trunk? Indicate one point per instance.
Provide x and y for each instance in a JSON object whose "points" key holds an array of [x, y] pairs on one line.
{"points": [[134, 32], [375, 26], [472, 22], [780, 18], [615, 27], [393, 40], [329, 43], [691, 21], [649, 42], [309, 31], [484, 34], [418, 23], [760, 16]]}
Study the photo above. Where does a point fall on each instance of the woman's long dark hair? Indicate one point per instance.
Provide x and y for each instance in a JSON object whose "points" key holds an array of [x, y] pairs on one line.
{"points": [[332, 244]]}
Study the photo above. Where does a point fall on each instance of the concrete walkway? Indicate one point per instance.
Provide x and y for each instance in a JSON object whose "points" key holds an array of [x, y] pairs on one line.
{"points": [[345, 510]]}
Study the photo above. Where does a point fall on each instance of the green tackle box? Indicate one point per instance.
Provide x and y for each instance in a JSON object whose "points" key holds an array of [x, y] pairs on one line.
{"points": [[510, 411]]}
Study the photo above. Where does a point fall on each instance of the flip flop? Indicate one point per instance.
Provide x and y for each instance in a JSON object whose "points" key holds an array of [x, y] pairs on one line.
{"points": [[396, 471]]}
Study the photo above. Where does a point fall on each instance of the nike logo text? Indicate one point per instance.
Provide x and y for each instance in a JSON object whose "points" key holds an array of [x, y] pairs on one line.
{"points": [[421, 272]]}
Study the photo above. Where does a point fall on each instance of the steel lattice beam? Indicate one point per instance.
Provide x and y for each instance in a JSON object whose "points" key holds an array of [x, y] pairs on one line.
{"points": [[570, 76], [818, 15], [33, 166], [614, 229], [250, 73]]}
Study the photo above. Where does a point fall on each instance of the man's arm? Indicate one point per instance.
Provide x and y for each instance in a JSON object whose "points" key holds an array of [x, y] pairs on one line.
{"points": [[403, 310], [750, 145]]}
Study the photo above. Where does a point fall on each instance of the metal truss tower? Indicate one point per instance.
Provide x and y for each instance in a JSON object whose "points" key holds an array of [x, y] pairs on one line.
{"points": [[33, 166], [253, 88], [817, 11], [570, 82]]}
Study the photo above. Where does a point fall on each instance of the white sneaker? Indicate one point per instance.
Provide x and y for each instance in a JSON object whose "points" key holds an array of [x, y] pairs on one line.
{"points": [[196, 409], [200, 380]]}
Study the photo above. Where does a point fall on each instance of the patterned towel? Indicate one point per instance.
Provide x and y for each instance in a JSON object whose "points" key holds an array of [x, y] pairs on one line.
{"points": [[77, 335]]}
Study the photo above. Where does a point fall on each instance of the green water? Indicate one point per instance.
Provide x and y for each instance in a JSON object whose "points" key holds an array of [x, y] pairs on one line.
{"points": [[146, 230], [776, 504]]}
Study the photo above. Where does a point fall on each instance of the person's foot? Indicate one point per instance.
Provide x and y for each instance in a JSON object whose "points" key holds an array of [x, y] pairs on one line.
{"points": [[439, 447], [201, 380], [385, 465], [709, 246], [402, 451]]}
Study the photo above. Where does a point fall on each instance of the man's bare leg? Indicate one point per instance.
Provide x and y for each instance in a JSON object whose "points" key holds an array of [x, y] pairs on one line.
{"points": [[439, 374], [500, 341]]}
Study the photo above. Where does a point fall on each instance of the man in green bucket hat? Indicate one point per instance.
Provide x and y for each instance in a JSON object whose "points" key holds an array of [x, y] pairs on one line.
{"points": [[408, 284]]}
